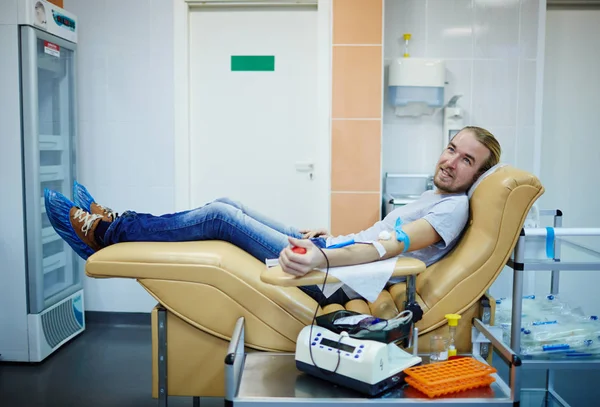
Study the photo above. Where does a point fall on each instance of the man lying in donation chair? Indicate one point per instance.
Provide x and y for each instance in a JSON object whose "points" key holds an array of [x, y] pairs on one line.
{"points": [[206, 266]]}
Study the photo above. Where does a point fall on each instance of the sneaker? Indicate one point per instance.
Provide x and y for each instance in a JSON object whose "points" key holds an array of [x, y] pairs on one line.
{"points": [[83, 199], [75, 225], [108, 215], [84, 224]]}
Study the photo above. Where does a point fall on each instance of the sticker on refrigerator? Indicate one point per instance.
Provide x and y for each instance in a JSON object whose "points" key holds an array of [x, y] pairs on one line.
{"points": [[51, 48]]}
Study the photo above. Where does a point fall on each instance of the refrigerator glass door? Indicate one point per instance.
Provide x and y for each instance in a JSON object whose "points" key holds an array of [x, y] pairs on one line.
{"points": [[49, 135]]}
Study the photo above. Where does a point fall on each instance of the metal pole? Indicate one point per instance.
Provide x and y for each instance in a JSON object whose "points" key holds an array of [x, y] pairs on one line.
{"points": [[515, 384], [517, 301], [411, 288], [554, 288], [563, 232], [555, 279], [549, 380], [415, 341], [162, 357], [486, 318]]}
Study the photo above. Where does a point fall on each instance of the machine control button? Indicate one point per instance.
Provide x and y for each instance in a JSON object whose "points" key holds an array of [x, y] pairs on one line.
{"points": [[361, 346], [319, 334], [360, 351], [314, 343], [356, 357]]}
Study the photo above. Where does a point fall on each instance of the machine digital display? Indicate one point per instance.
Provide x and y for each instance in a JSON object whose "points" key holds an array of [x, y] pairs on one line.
{"points": [[64, 21], [336, 345]]}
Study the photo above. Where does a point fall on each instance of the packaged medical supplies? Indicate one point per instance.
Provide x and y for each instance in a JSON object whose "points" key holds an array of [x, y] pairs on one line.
{"points": [[551, 328]]}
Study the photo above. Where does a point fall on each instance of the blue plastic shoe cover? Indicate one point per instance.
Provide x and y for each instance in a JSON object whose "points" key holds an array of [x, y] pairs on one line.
{"points": [[57, 209], [82, 197]]}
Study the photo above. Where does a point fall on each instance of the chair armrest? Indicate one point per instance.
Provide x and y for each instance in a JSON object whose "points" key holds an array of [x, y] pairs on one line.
{"points": [[405, 266]]}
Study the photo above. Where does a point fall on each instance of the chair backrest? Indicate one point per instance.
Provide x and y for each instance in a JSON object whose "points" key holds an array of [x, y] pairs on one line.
{"points": [[498, 208]]}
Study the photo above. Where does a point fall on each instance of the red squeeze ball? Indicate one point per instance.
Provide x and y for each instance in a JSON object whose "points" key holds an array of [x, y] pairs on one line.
{"points": [[299, 250]]}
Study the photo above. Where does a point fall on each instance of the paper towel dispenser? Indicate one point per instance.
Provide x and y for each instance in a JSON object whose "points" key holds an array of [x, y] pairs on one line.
{"points": [[416, 85]]}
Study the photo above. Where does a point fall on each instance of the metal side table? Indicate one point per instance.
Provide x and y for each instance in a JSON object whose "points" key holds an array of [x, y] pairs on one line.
{"points": [[272, 379]]}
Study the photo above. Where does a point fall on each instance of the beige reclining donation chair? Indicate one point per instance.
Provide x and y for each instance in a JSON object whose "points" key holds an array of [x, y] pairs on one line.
{"points": [[202, 288]]}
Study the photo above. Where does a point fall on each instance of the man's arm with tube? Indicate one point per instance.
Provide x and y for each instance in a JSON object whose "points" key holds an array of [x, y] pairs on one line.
{"points": [[420, 233]]}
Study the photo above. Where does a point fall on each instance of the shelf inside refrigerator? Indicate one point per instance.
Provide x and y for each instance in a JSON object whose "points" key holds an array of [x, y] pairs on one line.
{"points": [[53, 288], [51, 173], [49, 235], [50, 65], [54, 262], [50, 142]]}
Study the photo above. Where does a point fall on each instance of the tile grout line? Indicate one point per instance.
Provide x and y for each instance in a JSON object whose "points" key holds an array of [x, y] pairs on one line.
{"points": [[356, 192], [357, 45], [518, 85], [472, 62], [356, 118]]}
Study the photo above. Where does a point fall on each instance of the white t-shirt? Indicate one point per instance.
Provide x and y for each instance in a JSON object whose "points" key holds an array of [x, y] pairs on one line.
{"points": [[447, 213]]}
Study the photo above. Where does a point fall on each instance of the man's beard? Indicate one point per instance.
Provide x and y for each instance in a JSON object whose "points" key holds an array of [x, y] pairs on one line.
{"points": [[446, 189]]}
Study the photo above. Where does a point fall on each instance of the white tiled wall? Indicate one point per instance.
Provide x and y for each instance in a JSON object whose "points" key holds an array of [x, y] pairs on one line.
{"points": [[125, 93], [490, 49], [570, 144]]}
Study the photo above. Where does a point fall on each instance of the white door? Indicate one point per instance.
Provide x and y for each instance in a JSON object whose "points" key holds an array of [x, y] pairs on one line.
{"points": [[254, 134]]}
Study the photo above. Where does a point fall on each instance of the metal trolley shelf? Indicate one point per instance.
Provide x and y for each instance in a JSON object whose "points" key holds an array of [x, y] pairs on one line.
{"points": [[520, 265], [272, 379]]}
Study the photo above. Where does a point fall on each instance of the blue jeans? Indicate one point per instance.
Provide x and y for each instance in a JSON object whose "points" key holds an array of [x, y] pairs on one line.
{"points": [[222, 219]]}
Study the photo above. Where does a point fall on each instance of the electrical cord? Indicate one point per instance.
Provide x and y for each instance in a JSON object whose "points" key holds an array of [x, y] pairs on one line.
{"points": [[319, 305]]}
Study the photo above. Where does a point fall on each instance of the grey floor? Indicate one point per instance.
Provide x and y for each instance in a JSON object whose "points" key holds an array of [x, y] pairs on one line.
{"points": [[107, 365], [110, 365]]}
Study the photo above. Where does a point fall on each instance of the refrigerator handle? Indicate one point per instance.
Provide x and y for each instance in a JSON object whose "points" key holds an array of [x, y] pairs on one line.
{"points": [[31, 163]]}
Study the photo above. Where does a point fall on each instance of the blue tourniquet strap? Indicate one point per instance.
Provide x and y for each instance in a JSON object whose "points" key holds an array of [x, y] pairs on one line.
{"points": [[401, 236], [550, 242]]}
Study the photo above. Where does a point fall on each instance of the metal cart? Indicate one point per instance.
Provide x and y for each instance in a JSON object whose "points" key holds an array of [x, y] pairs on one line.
{"points": [[272, 379], [577, 257]]}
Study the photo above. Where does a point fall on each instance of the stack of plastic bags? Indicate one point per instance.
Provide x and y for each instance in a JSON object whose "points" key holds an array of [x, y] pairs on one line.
{"points": [[550, 328]]}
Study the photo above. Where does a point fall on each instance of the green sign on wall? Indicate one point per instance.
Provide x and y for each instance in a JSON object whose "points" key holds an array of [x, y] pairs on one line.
{"points": [[252, 62]]}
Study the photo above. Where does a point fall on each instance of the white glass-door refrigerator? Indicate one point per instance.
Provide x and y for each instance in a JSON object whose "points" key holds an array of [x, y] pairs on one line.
{"points": [[41, 292]]}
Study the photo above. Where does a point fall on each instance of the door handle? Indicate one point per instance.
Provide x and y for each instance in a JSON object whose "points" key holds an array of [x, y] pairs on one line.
{"points": [[305, 166]]}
